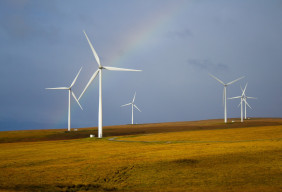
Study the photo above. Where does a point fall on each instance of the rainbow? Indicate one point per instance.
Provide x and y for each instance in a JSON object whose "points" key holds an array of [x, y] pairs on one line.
{"points": [[146, 30]]}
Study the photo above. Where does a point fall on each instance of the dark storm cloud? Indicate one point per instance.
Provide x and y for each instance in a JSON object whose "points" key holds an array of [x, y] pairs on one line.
{"points": [[179, 34], [207, 65], [16, 26], [20, 22]]}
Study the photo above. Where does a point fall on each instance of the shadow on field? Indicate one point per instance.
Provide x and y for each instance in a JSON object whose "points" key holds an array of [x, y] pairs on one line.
{"points": [[185, 161], [60, 188]]}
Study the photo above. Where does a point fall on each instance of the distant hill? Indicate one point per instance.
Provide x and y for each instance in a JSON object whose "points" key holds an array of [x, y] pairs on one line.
{"points": [[119, 130]]}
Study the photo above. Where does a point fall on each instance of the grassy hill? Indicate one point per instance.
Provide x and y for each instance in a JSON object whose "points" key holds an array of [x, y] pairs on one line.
{"points": [[119, 130], [182, 156]]}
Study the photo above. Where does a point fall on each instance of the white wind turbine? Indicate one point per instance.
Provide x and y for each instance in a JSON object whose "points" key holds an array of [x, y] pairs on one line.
{"points": [[70, 93], [246, 103], [132, 105], [242, 97], [99, 70], [224, 93]]}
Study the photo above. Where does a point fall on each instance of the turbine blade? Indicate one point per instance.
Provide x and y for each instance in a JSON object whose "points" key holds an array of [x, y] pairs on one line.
{"points": [[235, 80], [91, 79], [119, 69], [252, 98], [134, 97], [235, 97], [126, 104], [217, 79], [137, 108], [248, 104], [75, 78], [244, 89], [240, 103], [58, 88], [93, 50], [76, 100]]}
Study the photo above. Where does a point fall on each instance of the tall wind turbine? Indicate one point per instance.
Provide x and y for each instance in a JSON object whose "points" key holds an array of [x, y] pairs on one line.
{"points": [[99, 70], [70, 93], [242, 97], [246, 103], [224, 93], [132, 106]]}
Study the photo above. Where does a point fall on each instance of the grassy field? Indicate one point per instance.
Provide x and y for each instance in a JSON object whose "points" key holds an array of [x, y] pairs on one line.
{"points": [[183, 156]]}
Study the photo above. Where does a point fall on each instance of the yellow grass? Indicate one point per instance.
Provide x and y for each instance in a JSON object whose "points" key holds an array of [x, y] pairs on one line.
{"points": [[220, 135], [251, 162]]}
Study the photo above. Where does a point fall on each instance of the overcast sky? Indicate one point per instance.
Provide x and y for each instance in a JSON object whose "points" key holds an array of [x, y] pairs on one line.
{"points": [[176, 43]]}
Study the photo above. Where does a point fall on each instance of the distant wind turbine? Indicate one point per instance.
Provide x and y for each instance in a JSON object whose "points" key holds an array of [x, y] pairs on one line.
{"points": [[132, 106], [224, 93], [100, 68], [242, 97], [70, 93], [246, 103]]}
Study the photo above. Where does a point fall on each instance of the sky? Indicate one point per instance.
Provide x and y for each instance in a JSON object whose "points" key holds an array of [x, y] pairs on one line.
{"points": [[176, 44]]}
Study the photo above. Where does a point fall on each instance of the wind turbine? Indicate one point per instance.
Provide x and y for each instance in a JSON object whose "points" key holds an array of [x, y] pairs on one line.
{"points": [[242, 97], [224, 93], [132, 105], [246, 103], [70, 93], [99, 70]]}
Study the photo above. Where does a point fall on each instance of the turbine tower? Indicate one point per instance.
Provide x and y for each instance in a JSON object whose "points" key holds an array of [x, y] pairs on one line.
{"points": [[246, 103], [99, 70], [242, 97], [132, 106], [224, 93], [70, 93]]}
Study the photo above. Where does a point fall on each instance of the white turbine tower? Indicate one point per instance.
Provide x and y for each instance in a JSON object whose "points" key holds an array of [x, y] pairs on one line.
{"points": [[242, 97], [132, 106], [246, 103], [100, 69], [70, 93], [224, 93]]}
